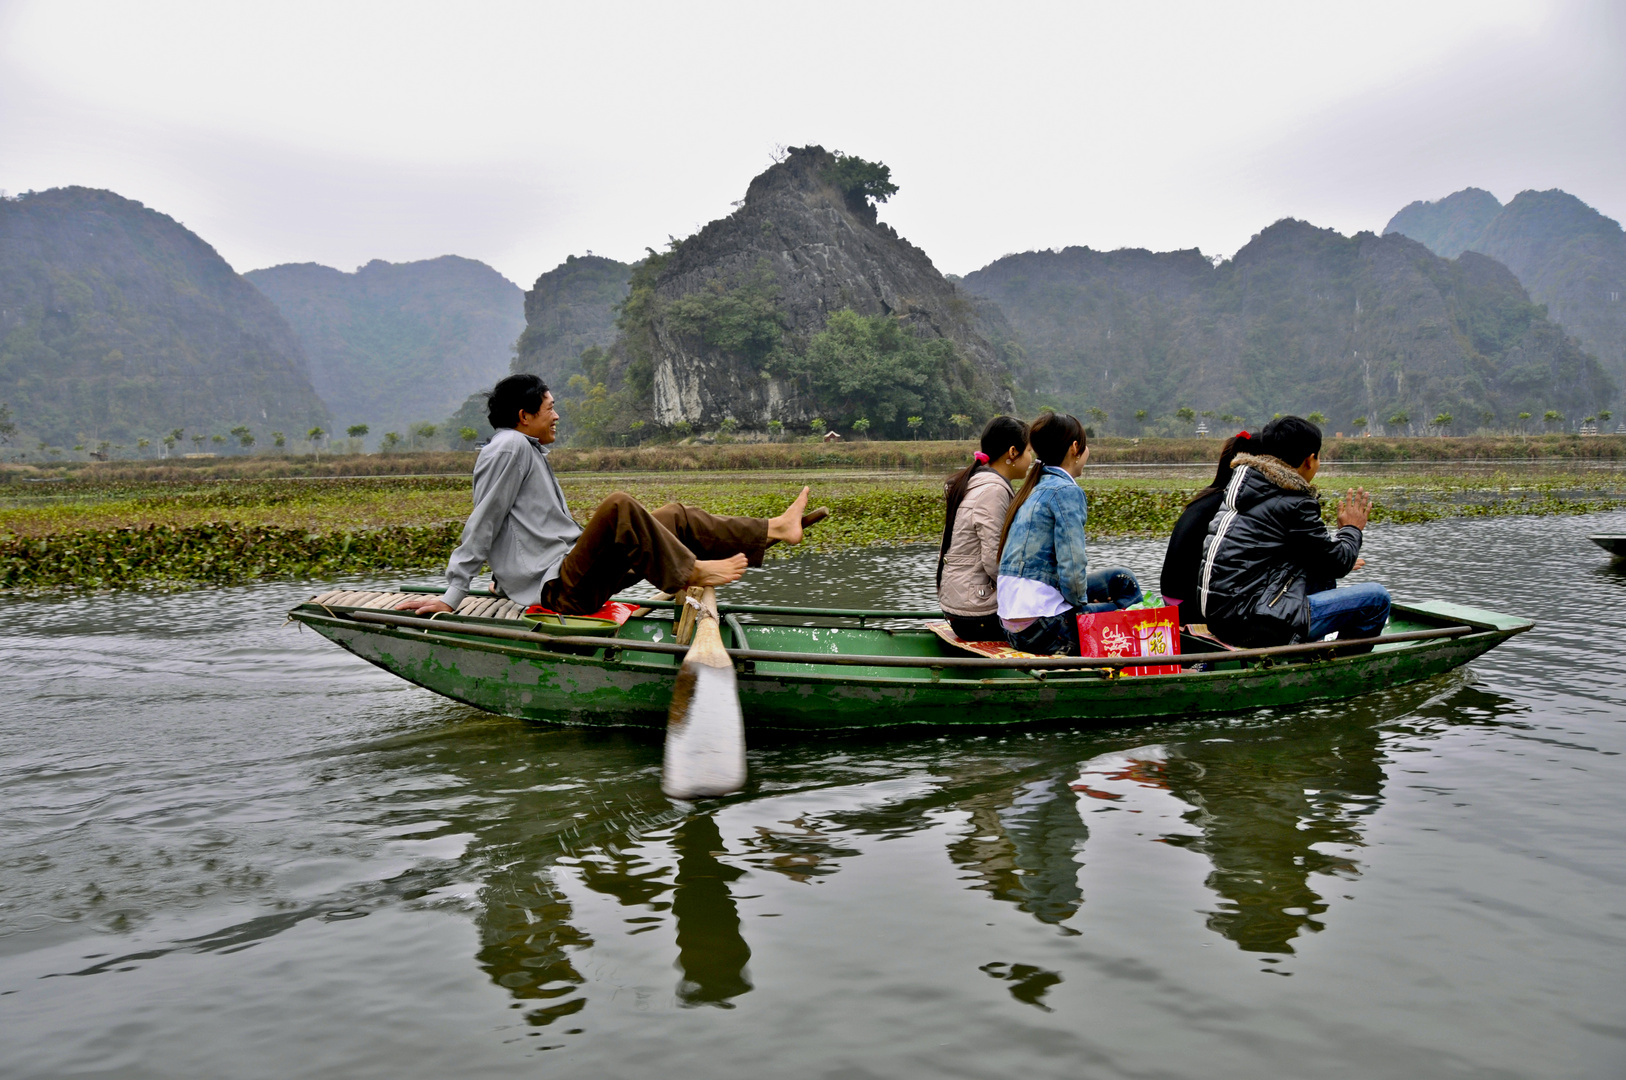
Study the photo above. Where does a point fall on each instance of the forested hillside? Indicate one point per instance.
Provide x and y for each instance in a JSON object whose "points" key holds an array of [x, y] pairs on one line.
{"points": [[394, 344], [118, 324], [1568, 255], [1374, 332]]}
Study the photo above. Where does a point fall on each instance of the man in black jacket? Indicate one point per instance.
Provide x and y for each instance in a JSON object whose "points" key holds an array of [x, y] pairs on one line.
{"points": [[1269, 565]]}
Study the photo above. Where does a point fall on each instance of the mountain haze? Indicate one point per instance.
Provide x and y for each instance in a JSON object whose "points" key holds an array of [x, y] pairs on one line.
{"points": [[117, 322], [1569, 256], [1301, 320], [393, 344]]}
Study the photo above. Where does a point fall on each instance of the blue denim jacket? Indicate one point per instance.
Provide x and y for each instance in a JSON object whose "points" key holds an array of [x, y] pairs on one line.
{"points": [[1046, 541]]}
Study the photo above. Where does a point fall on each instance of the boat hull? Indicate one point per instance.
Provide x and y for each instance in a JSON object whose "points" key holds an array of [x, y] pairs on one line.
{"points": [[628, 688], [1615, 545]]}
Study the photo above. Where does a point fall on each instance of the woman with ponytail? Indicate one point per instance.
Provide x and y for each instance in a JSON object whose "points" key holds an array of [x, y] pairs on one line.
{"points": [[1185, 554], [1044, 577], [977, 497]]}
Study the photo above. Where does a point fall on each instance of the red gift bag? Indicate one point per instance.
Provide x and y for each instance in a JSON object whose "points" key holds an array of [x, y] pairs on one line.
{"points": [[1137, 632]]}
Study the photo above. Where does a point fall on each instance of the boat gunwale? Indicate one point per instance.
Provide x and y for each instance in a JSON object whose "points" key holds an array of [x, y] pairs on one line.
{"points": [[1310, 648], [1048, 671]]}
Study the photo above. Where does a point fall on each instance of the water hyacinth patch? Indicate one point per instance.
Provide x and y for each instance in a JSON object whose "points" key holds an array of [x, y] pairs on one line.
{"points": [[128, 534]]}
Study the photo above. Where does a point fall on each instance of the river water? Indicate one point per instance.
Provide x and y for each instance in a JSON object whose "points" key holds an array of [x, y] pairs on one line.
{"points": [[229, 849]]}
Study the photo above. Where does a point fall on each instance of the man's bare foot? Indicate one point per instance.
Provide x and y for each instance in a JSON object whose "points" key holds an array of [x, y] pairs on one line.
{"points": [[787, 527], [720, 571]]}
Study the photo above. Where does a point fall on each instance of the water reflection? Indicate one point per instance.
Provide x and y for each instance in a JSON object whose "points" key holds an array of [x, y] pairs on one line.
{"points": [[711, 952], [1275, 806], [1271, 813], [526, 941], [1023, 848]]}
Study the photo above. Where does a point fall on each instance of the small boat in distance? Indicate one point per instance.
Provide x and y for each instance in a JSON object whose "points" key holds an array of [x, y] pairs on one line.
{"points": [[1614, 545], [830, 669]]}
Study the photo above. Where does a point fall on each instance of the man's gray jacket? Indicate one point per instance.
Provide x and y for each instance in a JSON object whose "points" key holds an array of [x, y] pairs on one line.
{"points": [[520, 524]]}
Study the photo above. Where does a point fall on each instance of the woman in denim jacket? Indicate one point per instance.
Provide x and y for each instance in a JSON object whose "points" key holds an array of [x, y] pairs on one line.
{"points": [[1044, 574]]}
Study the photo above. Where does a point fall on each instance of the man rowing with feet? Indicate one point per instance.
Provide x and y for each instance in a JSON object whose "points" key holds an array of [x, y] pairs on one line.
{"points": [[539, 555]]}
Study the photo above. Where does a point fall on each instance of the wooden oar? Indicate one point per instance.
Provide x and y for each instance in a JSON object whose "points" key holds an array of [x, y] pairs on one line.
{"points": [[705, 730]]}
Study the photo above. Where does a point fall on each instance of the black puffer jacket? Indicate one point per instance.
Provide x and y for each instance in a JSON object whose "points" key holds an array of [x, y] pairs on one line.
{"points": [[1266, 551]]}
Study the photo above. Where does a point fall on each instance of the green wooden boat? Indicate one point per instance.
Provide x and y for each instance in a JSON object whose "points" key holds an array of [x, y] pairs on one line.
{"points": [[826, 669], [1614, 545]]}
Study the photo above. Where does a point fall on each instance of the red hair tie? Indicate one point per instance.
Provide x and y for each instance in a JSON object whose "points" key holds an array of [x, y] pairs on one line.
{"points": [[980, 458], [1242, 435]]}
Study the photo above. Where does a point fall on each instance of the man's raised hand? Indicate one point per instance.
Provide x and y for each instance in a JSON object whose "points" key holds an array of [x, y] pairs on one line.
{"points": [[1354, 509], [425, 605]]}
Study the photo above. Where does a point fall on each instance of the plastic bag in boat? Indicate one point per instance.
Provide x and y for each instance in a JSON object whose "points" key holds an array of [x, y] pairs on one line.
{"points": [[1135, 632]]}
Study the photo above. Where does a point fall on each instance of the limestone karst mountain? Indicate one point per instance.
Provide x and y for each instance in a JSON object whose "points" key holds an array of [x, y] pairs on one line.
{"points": [[1567, 255], [1375, 329], [117, 323], [570, 309], [397, 343], [1450, 226], [801, 304]]}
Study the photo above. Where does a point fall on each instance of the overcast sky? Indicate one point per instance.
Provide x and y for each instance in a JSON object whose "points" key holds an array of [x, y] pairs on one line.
{"points": [[520, 133]]}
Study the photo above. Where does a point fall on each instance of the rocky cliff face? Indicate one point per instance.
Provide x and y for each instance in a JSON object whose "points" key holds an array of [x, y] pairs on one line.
{"points": [[1566, 254], [804, 249], [397, 343], [116, 322], [1300, 320]]}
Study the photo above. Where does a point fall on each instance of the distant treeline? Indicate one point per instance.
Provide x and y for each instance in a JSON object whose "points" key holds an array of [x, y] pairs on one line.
{"points": [[876, 455]]}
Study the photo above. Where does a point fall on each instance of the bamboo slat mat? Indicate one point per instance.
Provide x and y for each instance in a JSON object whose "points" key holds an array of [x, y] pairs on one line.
{"points": [[485, 607]]}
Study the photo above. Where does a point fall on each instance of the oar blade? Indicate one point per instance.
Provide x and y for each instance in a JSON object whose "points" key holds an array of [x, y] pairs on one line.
{"points": [[705, 729], [705, 734]]}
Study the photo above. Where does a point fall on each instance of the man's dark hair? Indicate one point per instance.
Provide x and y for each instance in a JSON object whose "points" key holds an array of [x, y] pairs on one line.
{"points": [[1291, 438], [512, 394]]}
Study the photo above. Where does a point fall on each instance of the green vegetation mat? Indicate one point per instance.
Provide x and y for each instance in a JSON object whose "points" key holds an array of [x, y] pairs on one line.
{"points": [[90, 535]]}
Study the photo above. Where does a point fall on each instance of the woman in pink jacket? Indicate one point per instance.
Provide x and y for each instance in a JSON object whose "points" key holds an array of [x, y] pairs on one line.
{"points": [[977, 497]]}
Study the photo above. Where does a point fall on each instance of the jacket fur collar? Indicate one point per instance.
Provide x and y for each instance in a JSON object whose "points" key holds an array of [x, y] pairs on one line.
{"points": [[1275, 470]]}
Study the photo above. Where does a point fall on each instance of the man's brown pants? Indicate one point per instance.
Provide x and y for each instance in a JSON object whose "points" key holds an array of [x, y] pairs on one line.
{"points": [[624, 543]]}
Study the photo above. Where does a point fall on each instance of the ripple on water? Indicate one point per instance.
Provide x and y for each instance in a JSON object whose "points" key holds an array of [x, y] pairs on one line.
{"points": [[227, 830]]}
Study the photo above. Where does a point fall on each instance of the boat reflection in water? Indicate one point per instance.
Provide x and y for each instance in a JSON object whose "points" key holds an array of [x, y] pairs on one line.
{"points": [[1277, 807], [1267, 814]]}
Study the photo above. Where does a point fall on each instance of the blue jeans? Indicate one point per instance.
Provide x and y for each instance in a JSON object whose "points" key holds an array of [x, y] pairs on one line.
{"points": [[1357, 611], [1057, 635]]}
